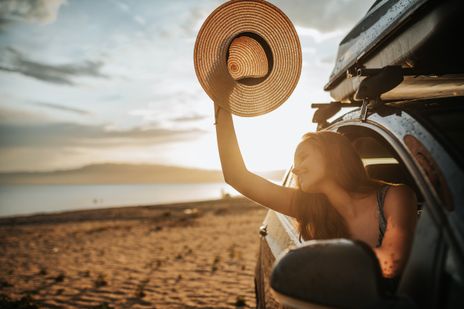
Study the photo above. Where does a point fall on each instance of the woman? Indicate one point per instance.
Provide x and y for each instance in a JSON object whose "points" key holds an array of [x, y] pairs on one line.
{"points": [[335, 197]]}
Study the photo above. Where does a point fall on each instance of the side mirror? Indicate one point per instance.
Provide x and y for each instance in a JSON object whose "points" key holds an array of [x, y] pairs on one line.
{"points": [[334, 273]]}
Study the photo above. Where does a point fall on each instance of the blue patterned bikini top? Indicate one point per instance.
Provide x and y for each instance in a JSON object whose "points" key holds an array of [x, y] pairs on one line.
{"points": [[382, 220]]}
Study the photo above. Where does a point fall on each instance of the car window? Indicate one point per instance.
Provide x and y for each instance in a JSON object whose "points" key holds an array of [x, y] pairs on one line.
{"points": [[380, 159]]}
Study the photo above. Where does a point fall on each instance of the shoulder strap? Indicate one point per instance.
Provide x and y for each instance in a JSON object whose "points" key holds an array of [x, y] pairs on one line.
{"points": [[382, 220]]}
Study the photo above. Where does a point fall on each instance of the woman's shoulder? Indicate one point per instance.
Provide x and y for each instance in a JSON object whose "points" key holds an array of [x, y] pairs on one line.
{"points": [[399, 199], [398, 189]]}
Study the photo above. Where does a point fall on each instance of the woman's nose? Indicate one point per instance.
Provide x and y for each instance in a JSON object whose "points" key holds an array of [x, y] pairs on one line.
{"points": [[296, 170]]}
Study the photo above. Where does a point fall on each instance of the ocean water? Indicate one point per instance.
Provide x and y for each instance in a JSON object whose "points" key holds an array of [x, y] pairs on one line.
{"points": [[32, 199]]}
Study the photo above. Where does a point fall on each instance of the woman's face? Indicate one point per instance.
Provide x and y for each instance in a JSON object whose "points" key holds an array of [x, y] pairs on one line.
{"points": [[309, 167]]}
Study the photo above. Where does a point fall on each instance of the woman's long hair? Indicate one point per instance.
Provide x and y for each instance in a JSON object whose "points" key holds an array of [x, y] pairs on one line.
{"points": [[316, 217]]}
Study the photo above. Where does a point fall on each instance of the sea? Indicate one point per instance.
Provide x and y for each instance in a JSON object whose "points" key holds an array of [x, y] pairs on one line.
{"points": [[18, 200]]}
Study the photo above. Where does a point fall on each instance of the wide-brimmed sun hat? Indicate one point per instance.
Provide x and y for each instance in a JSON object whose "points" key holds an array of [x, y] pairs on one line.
{"points": [[248, 57]]}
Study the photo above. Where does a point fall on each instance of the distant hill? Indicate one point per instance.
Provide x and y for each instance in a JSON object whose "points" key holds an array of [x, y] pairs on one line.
{"points": [[112, 173]]}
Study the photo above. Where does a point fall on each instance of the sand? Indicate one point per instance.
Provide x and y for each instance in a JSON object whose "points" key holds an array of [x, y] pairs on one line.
{"points": [[190, 255]]}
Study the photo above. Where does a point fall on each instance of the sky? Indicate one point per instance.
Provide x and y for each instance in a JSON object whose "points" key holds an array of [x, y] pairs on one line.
{"points": [[84, 82]]}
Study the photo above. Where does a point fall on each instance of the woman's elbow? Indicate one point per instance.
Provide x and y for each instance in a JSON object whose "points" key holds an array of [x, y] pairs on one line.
{"points": [[235, 180], [391, 264], [230, 179]]}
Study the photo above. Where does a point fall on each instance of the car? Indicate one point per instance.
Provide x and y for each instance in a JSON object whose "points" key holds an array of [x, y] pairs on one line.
{"points": [[418, 143], [408, 127]]}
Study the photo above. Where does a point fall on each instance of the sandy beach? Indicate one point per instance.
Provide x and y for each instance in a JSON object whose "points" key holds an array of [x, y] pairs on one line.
{"points": [[189, 255]]}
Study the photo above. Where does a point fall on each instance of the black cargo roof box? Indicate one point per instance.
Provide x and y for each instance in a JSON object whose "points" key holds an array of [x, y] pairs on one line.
{"points": [[423, 36]]}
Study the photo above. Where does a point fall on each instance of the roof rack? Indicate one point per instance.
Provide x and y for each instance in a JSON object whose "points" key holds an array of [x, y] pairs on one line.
{"points": [[326, 110], [377, 82]]}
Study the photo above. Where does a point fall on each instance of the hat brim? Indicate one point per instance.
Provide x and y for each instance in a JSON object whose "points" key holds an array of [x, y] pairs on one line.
{"points": [[270, 25]]}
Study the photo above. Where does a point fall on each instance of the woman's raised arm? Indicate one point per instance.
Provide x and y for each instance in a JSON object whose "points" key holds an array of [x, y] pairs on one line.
{"points": [[236, 174]]}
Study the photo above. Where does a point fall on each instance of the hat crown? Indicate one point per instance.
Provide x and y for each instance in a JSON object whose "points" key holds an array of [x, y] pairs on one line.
{"points": [[247, 59]]}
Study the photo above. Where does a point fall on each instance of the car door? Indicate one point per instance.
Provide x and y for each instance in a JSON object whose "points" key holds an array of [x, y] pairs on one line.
{"points": [[277, 234]]}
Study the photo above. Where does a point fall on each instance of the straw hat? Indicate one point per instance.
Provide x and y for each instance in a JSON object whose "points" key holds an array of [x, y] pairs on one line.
{"points": [[248, 57]]}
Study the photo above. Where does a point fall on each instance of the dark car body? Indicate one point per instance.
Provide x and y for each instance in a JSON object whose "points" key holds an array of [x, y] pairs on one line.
{"points": [[419, 143]]}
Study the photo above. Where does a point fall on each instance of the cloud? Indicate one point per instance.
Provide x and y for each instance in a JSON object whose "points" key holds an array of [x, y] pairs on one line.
{"points": [[35, 11], [62, 108], [79, 135], [12, 60], [187, 22], [173, 105], [3, 24], [17, 116], [325, 16], [188, 118], [329, 59]]}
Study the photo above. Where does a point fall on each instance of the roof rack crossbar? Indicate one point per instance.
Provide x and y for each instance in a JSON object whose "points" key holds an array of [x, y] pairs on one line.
{"points": [[326, 110]]}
